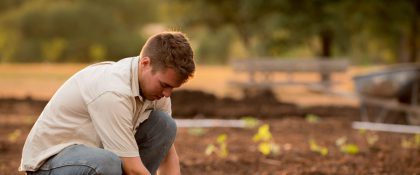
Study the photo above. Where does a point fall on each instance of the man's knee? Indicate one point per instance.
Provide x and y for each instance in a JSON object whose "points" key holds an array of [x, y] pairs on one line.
{"points": [[109, 164], [159, 126], [164, 122]]}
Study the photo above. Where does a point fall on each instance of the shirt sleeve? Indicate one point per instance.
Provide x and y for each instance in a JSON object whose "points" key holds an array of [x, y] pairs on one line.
{"points": [[164, 105], [112, 116]]}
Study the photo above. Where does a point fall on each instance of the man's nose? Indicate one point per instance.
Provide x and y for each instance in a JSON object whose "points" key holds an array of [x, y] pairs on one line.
{"points": [[167, 92]]}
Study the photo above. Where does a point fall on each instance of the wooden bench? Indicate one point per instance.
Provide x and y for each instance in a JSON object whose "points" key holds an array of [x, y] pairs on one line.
{"points": [[261, 72]]}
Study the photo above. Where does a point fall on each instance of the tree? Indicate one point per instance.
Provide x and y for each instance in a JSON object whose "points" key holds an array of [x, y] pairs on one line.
{"points": [[245, 17], [79, 30], [392, 24]]}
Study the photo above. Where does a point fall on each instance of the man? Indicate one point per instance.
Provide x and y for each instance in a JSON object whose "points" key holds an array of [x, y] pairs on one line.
{"points": [[114, 117]]}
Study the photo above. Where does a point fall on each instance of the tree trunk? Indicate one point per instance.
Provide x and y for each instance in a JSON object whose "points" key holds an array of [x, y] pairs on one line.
{"points": [[326, 47], [413, 40], [414, 47], [326, 43]]}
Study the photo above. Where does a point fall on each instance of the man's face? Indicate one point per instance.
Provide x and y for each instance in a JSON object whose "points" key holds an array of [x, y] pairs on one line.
{"points": [[158, 84]]}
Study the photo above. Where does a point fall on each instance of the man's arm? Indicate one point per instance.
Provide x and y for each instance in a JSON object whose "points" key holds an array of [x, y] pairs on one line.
{"points": [[170, 165], [134, 166]]}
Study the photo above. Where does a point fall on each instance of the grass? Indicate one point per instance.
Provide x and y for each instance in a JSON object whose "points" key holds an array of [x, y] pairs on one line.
{"points": [[36, 80]]}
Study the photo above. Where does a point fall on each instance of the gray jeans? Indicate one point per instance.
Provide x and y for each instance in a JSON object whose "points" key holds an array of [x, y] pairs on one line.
{"points": [[154, 137]]}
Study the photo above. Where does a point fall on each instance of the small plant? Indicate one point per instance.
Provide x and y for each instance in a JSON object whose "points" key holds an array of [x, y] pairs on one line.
{"points": [[413, 143], [29, 120], [314, 147], [266, 144], [196, 131], [250, 122], [311, 118], [12, 137], [220, 149], [370, 137], [417, 139], [351, 149]]}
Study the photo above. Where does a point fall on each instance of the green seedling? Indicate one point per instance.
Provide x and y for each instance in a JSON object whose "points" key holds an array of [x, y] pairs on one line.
{"points": [[250, 122], [12, 137], [196, 131], [351, 149], [406, 143], [311, 118], [341, 141], [267, 148], [266, 144], [417, 140], [411, 143], [263, 134], [314, 147], [29, 120], [220, 148], [370, 137]]}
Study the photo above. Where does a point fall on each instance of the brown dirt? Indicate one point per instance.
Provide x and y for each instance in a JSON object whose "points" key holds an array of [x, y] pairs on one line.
{"points": [[289, 129]]}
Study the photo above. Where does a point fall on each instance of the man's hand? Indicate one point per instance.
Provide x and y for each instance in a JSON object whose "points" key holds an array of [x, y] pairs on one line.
{"points": [[170, 165], [134, 166]]}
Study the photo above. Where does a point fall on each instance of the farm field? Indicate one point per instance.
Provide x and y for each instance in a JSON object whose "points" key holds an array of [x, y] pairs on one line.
{"points": [[292, 130], [390, 154]]}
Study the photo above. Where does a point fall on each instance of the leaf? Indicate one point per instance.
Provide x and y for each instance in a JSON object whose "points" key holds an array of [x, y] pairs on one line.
{"points": [[223, 152], [264, 148], [250, 122], [417, 139], [275, 149], [311, 118], [196, 131], [372, 139], [350, 149], [221, 138], [405, 143], [313, 146], [12, 137], [210, 149], [263, 133], [341, 141], [323, 151]]}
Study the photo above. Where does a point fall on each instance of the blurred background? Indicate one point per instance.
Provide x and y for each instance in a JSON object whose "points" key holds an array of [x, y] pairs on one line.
{"points": [[55, 38], [284, 43], [56, 31]]}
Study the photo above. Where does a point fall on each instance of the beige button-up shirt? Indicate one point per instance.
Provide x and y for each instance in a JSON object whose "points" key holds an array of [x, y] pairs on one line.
{"points": [[100, 106]]}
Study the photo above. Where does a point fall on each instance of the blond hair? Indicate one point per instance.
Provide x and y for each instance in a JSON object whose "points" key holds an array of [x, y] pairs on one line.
{"points": [[170, 50]]}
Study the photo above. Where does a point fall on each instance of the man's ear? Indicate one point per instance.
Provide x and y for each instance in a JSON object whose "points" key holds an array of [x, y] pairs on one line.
{"points": [[145, 61]]}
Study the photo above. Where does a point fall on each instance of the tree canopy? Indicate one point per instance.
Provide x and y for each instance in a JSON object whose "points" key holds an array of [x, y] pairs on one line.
{"points": [[93, 30]]}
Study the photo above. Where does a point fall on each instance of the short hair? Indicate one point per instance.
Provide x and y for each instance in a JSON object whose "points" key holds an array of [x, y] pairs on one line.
{"points": [[170, 50]]}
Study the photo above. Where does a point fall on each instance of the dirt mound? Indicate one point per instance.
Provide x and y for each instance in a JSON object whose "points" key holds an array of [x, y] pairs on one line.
{"points": [[190, 104], [26, 105], [187, 104]]}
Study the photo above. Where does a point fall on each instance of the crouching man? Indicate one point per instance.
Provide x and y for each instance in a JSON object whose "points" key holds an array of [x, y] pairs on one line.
{"points": [[114, 117]]}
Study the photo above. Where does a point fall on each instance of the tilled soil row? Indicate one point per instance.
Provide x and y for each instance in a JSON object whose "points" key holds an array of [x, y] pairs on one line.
{"points": [[198, 104]]}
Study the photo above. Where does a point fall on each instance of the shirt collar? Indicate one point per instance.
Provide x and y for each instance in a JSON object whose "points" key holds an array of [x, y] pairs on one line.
{"points": [[135, 87]]}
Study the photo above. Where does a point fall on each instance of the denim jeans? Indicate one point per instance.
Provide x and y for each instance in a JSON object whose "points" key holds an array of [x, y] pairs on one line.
{"points": [[154, 138]]}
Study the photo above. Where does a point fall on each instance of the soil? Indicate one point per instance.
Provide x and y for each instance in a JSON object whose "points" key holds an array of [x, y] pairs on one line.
{"points": [[290, 130]]}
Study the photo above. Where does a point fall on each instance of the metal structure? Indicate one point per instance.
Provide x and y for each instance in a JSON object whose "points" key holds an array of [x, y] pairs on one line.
{"points": [[395, 88]]}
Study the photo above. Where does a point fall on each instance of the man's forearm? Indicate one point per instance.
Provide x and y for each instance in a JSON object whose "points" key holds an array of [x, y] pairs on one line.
{"points": [[170, 165], [134, 166]]}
